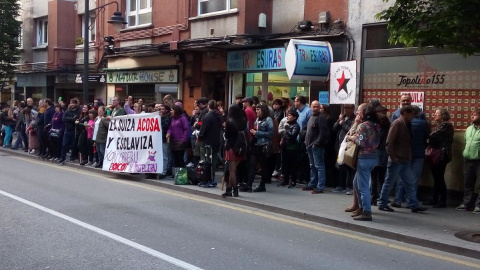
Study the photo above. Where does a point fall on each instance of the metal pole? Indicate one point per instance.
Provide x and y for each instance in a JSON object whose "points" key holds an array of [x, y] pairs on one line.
{"points": [[86, 41]]}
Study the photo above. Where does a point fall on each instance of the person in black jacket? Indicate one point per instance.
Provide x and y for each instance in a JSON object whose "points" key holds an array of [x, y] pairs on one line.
{"points": [[290, 148], [47, 120], [20, 128], [69, 118], [210, 133]]}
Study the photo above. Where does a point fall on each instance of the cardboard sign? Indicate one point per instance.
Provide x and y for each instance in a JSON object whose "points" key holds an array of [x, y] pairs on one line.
{"points": [[134, 144]]}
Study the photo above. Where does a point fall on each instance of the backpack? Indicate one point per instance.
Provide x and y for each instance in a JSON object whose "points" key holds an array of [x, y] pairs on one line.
{"points": [[241, 144]]}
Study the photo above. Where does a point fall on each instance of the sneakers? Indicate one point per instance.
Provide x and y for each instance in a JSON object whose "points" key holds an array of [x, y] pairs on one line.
{"points": [[83, 163], [419, 209], [461, 207], [275, 173], [349, 191], [396, 205], [339, 190], [90, 163], [61, 162], [386, 208], [259, 189], [476, 210], [316, 191], [307, 188], [190, 165]]}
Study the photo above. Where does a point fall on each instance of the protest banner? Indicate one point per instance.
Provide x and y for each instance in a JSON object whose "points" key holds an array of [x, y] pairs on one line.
{"points": [[134, 144]]}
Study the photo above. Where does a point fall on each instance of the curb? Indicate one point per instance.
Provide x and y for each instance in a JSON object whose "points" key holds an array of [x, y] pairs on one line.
{"points": [[475, 254]]}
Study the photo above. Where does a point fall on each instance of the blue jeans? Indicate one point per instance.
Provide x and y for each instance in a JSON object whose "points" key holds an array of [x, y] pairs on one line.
{"points": [[417, 168], [166, 158], [101, 151], [404, 170], [68, 141], [361, 182], [21, 138], [316, 158], [8, 135]]}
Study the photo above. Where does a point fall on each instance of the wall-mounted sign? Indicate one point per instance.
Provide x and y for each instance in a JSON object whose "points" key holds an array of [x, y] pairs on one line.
{"points": [[343, 82], [99, 78], [323, 97], [143, 76], [251, 60], [308, 60]]}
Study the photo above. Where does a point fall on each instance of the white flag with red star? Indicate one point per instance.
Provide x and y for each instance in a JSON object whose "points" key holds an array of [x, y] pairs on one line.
{"points": [[343, 82]]}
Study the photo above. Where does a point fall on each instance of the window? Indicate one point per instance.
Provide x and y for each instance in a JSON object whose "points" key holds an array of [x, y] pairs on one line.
{"points": [[91, 28], [42, 32], [139, 12], [377, 38], [210, 6], [20, 38]]}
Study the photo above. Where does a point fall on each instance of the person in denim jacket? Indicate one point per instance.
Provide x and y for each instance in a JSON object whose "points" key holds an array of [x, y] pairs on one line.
{"points": [[262, 132]]}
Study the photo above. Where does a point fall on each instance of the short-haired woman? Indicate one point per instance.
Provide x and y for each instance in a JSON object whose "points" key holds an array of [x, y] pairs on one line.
{"points": [[441, 138]]}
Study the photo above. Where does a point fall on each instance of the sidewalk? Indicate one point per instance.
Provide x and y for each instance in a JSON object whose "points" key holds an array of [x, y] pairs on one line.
{"points": [[436, 228]]}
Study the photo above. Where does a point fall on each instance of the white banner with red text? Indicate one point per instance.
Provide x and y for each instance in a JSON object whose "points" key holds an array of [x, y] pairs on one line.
{"points": [[134, 144]]}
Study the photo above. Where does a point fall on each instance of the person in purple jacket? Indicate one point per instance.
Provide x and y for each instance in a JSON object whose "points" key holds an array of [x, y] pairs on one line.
{"points": [[55, 140], [177, 135]]}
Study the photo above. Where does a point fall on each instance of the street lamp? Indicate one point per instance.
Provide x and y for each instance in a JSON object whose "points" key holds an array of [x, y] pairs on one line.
{"points": [[117, 20]]}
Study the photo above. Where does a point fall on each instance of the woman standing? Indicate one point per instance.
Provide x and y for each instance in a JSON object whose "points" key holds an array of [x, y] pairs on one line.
{"points": [[441, 138], [262, 148], [56, 134], [367, 139], [236, 125], [100, 137], [81, 135], [177, 134]]}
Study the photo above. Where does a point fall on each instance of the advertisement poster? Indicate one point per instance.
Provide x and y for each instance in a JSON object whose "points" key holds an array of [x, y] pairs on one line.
{"points": [[343, 82], [134, 144]]}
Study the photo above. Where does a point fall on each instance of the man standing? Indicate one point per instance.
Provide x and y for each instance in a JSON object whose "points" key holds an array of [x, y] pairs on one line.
{"points": [[399, 150], [118, 109], [210, 133], [420, 132], [69, 118], [471, 167], [304, 112], [316, 137], [250, 112], [406, 99]]}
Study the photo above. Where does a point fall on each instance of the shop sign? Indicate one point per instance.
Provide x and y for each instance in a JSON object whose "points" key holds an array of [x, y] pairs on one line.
{"points": [[343, 82], [98, 78], [308, 60], [254, 60], [143, 76]]}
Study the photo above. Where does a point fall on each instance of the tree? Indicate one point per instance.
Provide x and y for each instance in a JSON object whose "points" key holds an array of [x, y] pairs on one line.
{"points": [[450, 24], [9, 33]]}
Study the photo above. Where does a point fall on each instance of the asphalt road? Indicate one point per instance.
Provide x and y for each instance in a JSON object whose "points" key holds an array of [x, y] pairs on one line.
{"points": [[61, 218]]}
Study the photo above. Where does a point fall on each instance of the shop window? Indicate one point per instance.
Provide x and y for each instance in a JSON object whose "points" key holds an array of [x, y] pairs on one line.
{"points": [[20, 38], [42, 32], [139, 12], [278, 86], [211, 6], [377, 38]]}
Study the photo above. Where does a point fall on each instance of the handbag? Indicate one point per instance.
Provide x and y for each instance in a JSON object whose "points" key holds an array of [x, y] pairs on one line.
{"points": [[54, 133], [341, 151], [267, 149], [433, 155], [351, 155]]}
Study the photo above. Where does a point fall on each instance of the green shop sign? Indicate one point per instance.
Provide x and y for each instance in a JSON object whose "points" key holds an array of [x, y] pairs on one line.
{"points": [[143, 76]]}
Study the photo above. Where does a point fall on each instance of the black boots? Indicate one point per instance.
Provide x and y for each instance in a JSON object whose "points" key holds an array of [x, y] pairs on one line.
{"points": [[228, 192]]}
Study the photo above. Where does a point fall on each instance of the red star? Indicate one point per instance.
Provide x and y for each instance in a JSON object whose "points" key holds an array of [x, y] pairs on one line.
{"points": [[342, 83]]}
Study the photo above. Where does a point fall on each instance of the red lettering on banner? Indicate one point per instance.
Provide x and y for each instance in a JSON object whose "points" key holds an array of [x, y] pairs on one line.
{"points": [[148, 124], [117, 167]]}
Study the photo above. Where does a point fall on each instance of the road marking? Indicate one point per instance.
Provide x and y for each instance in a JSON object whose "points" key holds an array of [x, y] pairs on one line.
{"points": [[268, 216], [161, 256]]}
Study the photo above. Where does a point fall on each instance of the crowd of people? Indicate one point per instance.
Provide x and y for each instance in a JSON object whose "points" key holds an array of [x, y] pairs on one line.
{"points": [[296, 143]]}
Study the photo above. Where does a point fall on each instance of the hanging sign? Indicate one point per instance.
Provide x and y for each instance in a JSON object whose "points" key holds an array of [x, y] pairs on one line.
{"points": [[308, 60], [134, 144], [343, 82]]}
